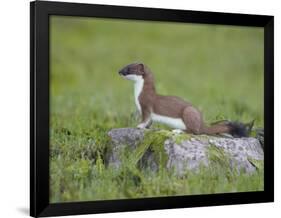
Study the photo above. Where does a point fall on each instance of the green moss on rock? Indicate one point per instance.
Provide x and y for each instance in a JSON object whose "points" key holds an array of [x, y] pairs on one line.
{"points": [[219, 161], [259, 164], [155, 141], [217, 155], [179, 138]]}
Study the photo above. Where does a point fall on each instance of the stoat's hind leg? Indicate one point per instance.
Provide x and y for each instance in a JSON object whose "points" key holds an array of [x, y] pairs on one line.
{"points": [[192, 119], [177, 131]]}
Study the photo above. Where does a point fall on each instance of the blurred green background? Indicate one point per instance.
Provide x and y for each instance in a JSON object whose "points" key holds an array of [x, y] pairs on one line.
{"points": [[217, 68]]}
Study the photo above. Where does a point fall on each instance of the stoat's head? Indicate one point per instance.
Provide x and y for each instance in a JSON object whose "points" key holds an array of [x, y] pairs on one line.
{"points": [[134, 72]]}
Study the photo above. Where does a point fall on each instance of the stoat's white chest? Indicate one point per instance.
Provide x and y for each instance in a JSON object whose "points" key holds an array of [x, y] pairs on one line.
{"points": [[137, 91], [138, 86]]}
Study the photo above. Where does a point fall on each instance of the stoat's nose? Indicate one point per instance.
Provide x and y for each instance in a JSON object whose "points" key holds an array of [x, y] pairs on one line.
{"points": [[123, 72]]}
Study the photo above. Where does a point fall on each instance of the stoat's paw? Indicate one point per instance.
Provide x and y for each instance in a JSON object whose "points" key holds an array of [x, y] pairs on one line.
{"points": [[141, 126], [177, 131]]}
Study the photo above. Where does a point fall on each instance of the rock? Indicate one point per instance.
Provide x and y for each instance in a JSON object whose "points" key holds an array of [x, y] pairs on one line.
{"points": [[183, 152]]}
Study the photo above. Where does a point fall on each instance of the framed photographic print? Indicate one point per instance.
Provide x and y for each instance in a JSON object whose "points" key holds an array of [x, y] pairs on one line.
{"points": [[140, 109]]}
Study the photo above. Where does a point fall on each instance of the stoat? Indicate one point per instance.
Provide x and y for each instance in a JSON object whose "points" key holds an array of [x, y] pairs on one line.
{"points": [[171, 110]]}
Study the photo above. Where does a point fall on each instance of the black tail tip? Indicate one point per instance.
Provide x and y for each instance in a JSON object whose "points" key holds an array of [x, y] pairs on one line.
{"points": [[238, 129]]}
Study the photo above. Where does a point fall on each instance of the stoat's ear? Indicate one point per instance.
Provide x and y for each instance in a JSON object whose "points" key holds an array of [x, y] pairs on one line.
{"points": [[141, 68]]}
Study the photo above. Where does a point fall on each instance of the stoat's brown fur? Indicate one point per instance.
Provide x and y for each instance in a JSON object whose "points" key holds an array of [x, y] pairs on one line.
{"points": [[172, 110]]}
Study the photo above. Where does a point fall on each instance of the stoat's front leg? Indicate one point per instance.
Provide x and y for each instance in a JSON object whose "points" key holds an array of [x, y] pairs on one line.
{"points": [[146, 119], [145, 124]]}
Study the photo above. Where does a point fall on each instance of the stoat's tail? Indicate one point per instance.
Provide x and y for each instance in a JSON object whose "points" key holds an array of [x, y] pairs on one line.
{"points": [[236, 129]]}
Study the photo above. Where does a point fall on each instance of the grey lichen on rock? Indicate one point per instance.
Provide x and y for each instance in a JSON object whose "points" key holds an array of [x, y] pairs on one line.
{"points": [[156, 149]]}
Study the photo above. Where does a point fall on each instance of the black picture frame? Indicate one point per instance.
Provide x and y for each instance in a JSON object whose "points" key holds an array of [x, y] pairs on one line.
{"points": [[39, 107]]}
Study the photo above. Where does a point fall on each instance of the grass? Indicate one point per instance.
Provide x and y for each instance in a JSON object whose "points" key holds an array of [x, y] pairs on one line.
{"points": [[217, 68]]}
